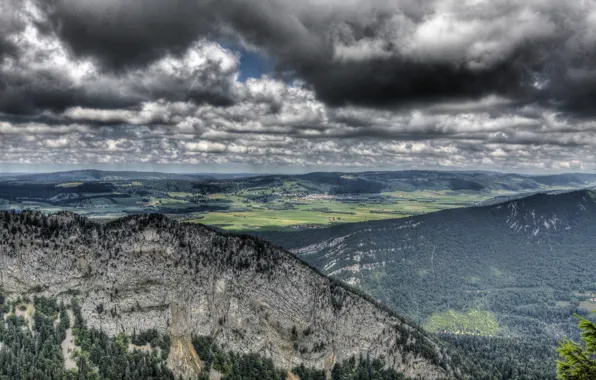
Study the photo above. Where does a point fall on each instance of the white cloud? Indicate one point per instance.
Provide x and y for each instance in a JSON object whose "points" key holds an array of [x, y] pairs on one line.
{"points": [[191, 107]]}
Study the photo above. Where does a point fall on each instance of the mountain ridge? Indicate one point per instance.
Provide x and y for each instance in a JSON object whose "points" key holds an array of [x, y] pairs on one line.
{"points": [[149, 272], [340, 182], [283, 238]]}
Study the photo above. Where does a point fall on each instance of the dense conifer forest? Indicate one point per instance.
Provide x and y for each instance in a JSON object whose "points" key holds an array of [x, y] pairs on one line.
{"points": [[30, 349], [500, 283], [252, 367]]}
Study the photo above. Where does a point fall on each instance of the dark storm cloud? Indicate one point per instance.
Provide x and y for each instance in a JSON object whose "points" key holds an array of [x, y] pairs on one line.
{"points": [[381, 54], [6, 48], [19, 95], [31, 92], [43, 69], [9, 24], [388, 82], [374, 53], [128, 33], [38, 73]]}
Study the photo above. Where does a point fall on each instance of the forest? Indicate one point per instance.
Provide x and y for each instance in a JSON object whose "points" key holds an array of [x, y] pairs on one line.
{"points": [[527, 264], [30, 349], [253, 367]]}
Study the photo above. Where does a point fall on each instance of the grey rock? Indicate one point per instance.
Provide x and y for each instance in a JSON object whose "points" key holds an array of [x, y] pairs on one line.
{"points": [[151, 272]]}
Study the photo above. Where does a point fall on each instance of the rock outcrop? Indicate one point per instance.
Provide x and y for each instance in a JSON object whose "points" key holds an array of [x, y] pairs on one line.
{"points": [[145, 272]]}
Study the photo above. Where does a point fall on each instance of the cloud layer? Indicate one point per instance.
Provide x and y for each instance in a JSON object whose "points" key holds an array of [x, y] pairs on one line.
{"points": [[469, 84]]}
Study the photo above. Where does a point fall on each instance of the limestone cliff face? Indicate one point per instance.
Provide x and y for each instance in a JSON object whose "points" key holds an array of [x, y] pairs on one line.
{"points": [[147, 272]]}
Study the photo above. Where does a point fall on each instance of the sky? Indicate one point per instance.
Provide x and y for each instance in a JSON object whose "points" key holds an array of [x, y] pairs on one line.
{"points": [[285, 85]]}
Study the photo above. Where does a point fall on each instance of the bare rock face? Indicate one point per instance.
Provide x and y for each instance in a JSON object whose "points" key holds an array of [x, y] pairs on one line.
{"points": [[183, 359], [146, 272]]}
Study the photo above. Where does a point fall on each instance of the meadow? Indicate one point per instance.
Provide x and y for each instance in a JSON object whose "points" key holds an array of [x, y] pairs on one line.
{"points": [[288, 211], [471, 322]]}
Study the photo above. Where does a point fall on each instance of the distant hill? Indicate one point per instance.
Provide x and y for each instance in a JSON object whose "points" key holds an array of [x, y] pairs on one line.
{"points": [[528, 262], [88, 175], [336, 182], [411, 180], [147, 276]]}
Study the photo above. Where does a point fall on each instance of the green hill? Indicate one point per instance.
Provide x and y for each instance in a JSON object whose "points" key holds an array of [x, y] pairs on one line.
{"points": [[529, 263]]}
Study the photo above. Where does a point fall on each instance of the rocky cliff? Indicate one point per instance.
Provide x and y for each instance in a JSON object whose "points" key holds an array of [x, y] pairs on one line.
{"points": [[145, 272]]}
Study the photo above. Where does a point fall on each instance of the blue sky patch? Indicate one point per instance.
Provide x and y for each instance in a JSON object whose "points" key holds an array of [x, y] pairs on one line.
{"points": [[252, 64]]}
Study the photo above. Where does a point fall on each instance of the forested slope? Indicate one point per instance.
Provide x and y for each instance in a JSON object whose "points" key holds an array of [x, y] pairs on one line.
{"points": [[515, 270]]}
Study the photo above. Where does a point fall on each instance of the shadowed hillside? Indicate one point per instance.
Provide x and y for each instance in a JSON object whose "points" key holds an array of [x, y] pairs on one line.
{"points": [[517, 269]]}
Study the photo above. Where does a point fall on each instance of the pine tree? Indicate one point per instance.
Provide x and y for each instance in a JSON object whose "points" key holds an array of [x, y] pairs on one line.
{"points": [[579, 360]]}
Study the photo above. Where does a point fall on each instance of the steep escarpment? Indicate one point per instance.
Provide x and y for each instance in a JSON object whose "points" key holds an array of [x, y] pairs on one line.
{"points": [[148, 272]]}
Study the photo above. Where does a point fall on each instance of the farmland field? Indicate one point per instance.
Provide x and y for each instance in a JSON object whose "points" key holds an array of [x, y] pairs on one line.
{"points": [[475, 322], [299, 212]]}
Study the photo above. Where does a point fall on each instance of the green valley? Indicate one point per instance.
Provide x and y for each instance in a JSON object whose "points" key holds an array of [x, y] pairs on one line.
{"points": [[270, 202]]}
